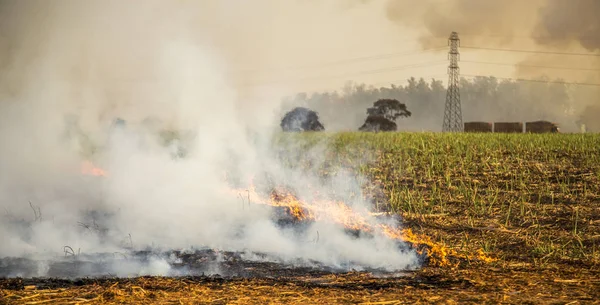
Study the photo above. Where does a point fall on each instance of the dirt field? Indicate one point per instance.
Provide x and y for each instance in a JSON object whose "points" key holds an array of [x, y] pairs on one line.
{"points": [[530, 202]]}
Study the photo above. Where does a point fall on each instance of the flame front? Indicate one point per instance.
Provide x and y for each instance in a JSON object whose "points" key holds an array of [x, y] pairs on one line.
{"points": [[336, 212], [340, 213], [324, 210], [321, 210]]}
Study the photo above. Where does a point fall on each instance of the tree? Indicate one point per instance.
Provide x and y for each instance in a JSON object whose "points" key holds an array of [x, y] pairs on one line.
{"points": [[301, 119], [486, 99], [383, 114], [390, 109], [377, 123]]}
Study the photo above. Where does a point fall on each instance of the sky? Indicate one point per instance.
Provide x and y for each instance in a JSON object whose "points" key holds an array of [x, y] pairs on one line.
{"points": [[266, 49], [362, 45], [378, 42]]}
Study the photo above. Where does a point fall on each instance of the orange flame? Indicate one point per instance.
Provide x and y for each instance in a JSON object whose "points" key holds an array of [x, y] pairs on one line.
{"points": [[341, 213], [324, 210], [438, 254], [88, 168]]}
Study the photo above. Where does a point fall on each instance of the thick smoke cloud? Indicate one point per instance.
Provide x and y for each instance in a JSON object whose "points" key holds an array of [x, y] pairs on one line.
{"points": [[548, 22], [561, 22], [486, 21], [99, 60]]}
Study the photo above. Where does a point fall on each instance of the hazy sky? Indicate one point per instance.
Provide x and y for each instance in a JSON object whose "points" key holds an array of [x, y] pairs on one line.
{"points": [[274, 47], [379, 41], [356, 43]]}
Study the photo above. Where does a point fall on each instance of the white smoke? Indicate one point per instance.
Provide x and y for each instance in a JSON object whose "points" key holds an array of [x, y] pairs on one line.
{"points": [[102, 61]]}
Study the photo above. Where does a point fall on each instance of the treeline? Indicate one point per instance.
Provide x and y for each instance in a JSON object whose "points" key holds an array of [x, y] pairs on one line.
{"points": [[482, 99]]}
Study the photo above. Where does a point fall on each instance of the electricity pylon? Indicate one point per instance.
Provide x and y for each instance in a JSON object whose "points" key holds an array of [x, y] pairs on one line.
{"points": [[453, 112]]}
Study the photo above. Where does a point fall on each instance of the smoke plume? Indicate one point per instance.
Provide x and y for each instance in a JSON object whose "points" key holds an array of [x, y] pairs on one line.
{"points": [[485, 21], [563, 22], [548, 22], [170, 61]]}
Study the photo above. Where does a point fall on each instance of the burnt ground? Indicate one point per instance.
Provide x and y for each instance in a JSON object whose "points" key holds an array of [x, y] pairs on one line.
{"points": [[476, 285], [243, 281], [225, 264], [531, 202]]}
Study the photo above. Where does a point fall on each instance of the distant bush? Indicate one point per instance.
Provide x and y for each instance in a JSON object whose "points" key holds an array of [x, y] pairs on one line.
{"points": [[301, 119]]}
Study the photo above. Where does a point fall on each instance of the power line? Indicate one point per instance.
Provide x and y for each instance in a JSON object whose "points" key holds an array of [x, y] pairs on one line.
{"points": [[526, 65], [531, 51], [398, 81], [534, 80], [404, 41], [393, 82], [391, 55], [348, 60], [366, 72], [377, 85], [580, 38]]}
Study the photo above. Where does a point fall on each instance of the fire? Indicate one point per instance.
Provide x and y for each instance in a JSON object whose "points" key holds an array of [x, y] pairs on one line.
{"points": [[295, 207], [88, 168], [340, 213], [438, 254], [322, 210]]}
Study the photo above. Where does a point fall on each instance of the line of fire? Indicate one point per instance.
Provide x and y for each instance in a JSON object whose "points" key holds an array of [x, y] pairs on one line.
{"points": [[291, 211]]}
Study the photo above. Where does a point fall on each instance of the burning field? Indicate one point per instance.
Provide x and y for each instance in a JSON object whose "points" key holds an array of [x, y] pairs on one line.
{"points": [[486, 219], [142, 161]]}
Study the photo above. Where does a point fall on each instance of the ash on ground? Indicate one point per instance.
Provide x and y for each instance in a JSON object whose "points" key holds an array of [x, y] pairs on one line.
{"points": [[200, 262]]}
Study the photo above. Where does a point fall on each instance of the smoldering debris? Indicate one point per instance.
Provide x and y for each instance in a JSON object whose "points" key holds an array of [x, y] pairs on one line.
{"points": [[228, 264], [190, 262], [127, 261]]}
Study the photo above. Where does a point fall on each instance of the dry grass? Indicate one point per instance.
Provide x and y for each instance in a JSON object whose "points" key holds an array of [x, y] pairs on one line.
{"points": [[530, 201], [476, 285]]}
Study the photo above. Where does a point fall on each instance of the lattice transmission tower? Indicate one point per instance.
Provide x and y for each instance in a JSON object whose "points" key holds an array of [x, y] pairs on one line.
{"points": [[453, 113]]}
